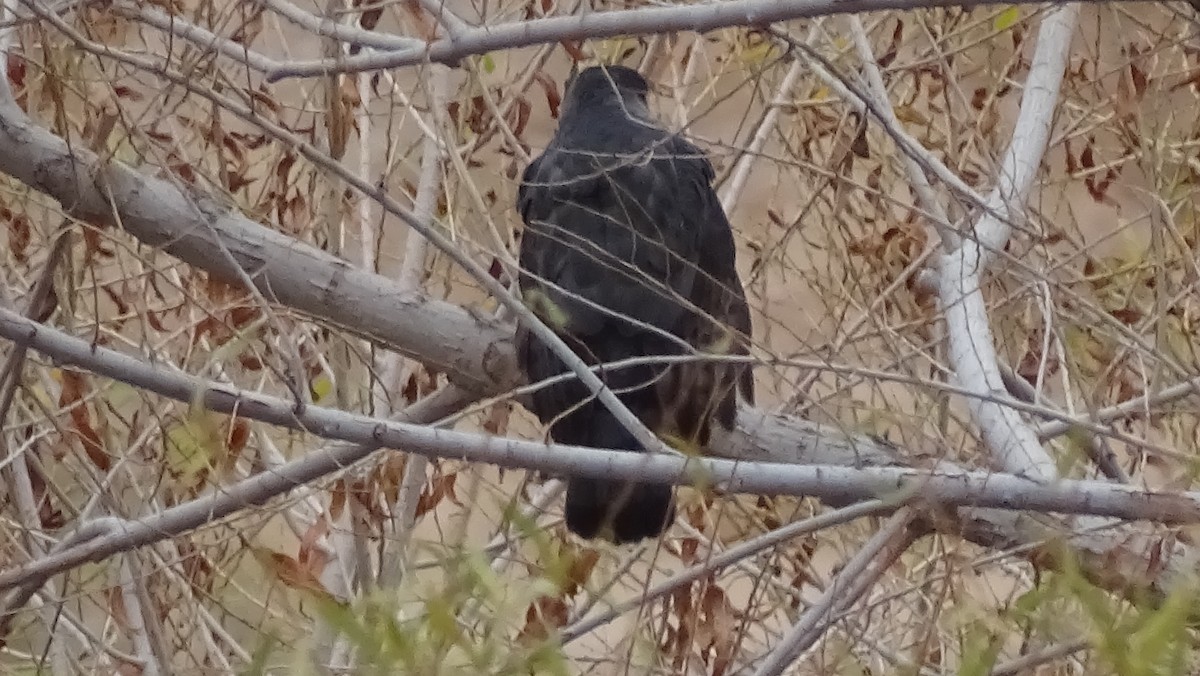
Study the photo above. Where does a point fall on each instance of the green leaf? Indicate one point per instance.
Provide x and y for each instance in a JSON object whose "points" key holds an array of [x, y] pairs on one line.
{"points": [[488, 63], [195, 444], [1007, 18], [981, 647]]}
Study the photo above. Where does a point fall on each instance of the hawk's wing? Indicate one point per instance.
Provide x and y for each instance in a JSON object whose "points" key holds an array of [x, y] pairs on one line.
{"points": [[630, 257], [719, 291], [615, 231]]}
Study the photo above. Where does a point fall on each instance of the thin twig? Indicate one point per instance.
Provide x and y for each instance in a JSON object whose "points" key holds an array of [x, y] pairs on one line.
{"points": [[16, 470], [741, 551], [1024, 663], [429, 185], [453, 23], [178, 27], [913, 169], [329, 28], [749, 155], [884, 547], [37, 307]]}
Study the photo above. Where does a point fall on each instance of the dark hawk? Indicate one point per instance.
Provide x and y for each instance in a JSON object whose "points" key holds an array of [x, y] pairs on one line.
{"points": [[627, 253]]}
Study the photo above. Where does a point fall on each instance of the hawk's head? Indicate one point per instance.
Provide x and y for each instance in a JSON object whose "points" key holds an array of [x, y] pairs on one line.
{"points": [[601, 85]]}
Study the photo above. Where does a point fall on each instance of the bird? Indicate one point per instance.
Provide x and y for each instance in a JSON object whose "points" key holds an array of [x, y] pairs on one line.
{"points": [[627, 252]]}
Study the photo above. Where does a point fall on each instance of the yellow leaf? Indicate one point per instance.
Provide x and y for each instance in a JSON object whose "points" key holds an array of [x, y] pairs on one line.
{"points": [[754, 55], [611, 50], [194, 445], [547, 310], [681, 444], [910, 115], [1007, 18], [322, 386]]}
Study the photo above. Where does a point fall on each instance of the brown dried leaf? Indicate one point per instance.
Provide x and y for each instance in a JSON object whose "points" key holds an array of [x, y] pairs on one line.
{"points": [[116, 606], [311, 556], [370, 18], [721, 625], [1072, 165], [859, 145], [239, 434], [74, 389], [550, 88], [337, 498], [497, 419], [543, 616], [688, 547], [1125, 103], [94, 245], [1128, 315], [291, 572], [242, 315], [199, 573], [49, 516], [893, 49], [16, 69], [284, 166], [582, 565], [521, 110], [1140, 80], [574, 49], [19, 234]]}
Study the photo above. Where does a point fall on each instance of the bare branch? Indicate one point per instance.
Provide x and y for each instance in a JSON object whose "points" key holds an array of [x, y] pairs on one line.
{"points": [[327, 27], [640, 21], [741, 171], [946, 486], [474, 350], [884, 547], [972, 351], [202, 38], [1023, 664], [135, 616], [735, 554], [454, 24]]}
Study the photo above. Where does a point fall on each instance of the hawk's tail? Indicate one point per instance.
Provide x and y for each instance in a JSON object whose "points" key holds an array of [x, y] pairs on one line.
{"points": [[622, 511]]}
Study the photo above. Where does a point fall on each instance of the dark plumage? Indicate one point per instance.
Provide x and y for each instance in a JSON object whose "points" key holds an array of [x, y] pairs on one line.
{"points": [[627, 253]]}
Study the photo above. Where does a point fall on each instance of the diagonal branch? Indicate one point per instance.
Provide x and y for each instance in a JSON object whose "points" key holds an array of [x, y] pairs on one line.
{"points": [[378, 193], [861, 571]]}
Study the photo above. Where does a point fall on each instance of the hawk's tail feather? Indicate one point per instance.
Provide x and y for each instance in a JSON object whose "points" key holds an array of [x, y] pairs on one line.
{"points": [[618, 510]]}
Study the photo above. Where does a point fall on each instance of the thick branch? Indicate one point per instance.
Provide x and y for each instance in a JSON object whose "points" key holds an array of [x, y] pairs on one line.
{"points": [[472, 349], [641, 21], [945, 487]]}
